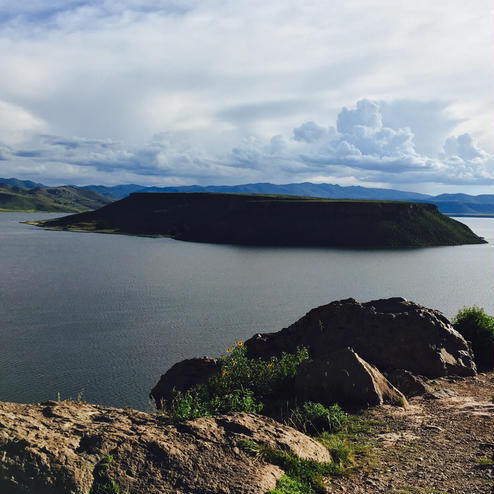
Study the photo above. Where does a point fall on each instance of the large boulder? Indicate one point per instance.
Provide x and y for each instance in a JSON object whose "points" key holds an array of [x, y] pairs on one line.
{"points": [[346, 379], [389, 333], [182, 376], [72, 448]]}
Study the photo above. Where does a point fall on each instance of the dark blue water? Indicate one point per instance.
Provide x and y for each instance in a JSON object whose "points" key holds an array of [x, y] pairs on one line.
{"points": [[105, 315]]}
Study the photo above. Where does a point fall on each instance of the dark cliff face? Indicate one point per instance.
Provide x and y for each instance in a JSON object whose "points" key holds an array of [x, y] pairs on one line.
{"points": [[274, 220]]}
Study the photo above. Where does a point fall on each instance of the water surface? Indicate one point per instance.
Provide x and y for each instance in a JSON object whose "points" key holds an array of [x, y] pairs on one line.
{"points": [[105, 315]]}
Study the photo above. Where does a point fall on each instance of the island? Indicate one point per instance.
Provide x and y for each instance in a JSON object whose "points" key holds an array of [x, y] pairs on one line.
{"points": [[272, 220]]}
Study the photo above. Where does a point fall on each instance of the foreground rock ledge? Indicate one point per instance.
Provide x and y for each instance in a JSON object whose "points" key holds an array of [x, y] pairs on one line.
{"points": [[54, 447]]}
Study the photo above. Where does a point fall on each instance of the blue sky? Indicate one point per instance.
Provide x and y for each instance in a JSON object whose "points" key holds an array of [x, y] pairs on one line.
{"points": [[380, 93]]}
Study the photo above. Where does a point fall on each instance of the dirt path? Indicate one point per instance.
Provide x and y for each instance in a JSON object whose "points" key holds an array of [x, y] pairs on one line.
{"points": [[442, 443]]}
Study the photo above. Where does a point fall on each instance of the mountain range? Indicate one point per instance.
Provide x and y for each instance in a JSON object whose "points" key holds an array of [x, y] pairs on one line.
{"points": [[451, 204]]}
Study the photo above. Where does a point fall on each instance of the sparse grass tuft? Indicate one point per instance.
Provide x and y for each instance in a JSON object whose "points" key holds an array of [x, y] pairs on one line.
{"points": [[313, 418], [102, 484], [484, 461], [301, 475]]}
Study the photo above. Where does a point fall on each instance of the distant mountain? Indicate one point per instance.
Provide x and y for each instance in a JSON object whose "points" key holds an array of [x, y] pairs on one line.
{"points": [[481, 199], [305, 189], [27, 184], [462, 204], [451, 204], [50, 199], [117, 191]]}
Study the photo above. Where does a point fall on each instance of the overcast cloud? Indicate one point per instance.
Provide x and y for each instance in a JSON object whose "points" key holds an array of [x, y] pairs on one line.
{"points": [[380, 93]]}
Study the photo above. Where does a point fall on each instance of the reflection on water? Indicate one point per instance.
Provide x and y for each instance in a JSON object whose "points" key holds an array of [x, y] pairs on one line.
{"points": [[107, 314]]}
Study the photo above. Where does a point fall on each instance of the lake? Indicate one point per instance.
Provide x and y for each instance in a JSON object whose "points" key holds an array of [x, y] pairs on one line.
{"points": [[106, 315]]}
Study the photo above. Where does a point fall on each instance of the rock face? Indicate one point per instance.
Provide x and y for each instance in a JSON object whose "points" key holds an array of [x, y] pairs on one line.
{"points": [[56, 447], [345, 379], [389, 333], [183, 375]]}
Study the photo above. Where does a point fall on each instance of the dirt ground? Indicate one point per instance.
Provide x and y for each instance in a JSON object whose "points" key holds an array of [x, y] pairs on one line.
{"points": [[441, 443]]}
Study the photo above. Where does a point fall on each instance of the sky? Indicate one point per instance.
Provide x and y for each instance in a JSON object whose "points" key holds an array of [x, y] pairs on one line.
{"points": [[379, 93]]}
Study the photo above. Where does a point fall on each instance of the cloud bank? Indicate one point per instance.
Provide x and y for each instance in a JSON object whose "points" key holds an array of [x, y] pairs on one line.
{"points": [[187, 91], [360, 148]]}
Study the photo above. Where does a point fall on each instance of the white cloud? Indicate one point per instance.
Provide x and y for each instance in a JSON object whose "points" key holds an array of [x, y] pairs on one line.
{"points": [[16, 123], [361, 149], [225, 76]]}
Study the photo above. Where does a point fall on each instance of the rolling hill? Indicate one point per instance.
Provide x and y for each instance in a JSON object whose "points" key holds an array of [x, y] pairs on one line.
{"points": [[49, 199]]}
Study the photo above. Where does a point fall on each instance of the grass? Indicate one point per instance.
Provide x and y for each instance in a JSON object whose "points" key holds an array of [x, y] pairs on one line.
{"points": [[313, 418], [349, 449], [79, 398], [301, 475], [485, 462], [102, 484]]}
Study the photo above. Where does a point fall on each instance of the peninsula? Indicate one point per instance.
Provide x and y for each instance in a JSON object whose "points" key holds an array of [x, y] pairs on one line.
{"points": [[252, 219]]}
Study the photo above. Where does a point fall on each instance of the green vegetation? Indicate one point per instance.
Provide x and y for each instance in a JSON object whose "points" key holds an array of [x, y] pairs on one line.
{"points": [[485, 462], [301, 475], [348, 448], [102, 484], [312, 418], [251, 219], [242, 385], [478, 328], [249, 385], [49, 199]]}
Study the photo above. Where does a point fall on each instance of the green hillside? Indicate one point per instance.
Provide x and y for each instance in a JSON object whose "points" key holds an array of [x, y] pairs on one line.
{"points": [[49, 199], [273, 220]]}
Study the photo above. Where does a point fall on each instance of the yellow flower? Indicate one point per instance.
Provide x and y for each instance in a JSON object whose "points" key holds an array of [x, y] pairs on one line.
{"points": [[228, 350], [240, 343], [270, 365]]}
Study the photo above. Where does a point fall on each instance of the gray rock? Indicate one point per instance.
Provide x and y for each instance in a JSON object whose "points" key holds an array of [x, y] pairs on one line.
{"points": [[390, 333], [346, 379], [182, 376], [407, 383]]}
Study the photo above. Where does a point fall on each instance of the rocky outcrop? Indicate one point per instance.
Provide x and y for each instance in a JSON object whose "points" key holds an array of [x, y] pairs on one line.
{"points": [[65, 447], [182, 376], [391, 333], [346, 379]]}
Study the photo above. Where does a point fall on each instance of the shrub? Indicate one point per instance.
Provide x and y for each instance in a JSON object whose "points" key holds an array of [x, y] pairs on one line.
{"points": [[342, 451], [200, 402], [478, 328], [313, 418], [241, 385]]}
